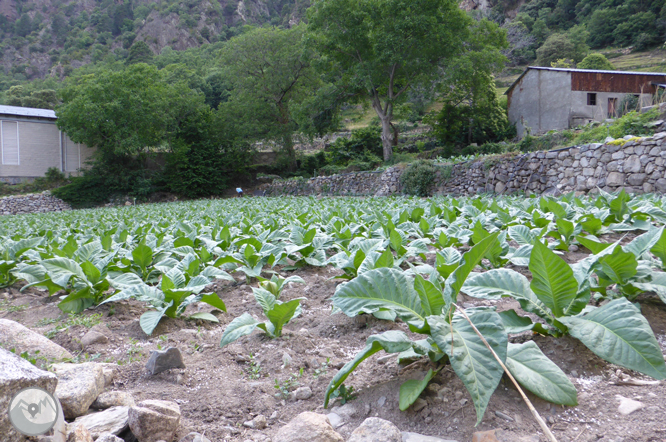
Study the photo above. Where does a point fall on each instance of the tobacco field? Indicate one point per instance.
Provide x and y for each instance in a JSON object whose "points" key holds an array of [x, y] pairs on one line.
{"points": [[524, 270]]}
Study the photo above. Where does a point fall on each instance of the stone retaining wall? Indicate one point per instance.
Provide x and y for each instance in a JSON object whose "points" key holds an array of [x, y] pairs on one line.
{"points": [[32, 203], [637, 164]]}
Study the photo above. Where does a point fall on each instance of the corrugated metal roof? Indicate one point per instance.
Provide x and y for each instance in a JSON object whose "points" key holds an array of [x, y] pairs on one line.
{"points": [[27, 112], [592, 71]]}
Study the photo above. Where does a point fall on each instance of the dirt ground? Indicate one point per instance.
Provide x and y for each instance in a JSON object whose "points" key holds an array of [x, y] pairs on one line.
{"points": [[217, 394]]}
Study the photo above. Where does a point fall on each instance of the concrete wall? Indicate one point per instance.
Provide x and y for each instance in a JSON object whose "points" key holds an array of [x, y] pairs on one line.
{"points": [[40, 146], [638, 165], [543, 101]]}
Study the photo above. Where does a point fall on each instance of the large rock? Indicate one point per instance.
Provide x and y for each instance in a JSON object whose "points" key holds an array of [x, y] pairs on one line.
{"points": [[374, 429], [108, 437], [152, 420], [112, 420], [78, 387], [76, 433], [194, 437], [308, 427], [615, 179], [16, 374], [164, 360], [16, 336], [110, 399]]}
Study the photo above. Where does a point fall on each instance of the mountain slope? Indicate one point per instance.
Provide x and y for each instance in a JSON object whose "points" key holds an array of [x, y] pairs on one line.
{"points": [[40, 38]]}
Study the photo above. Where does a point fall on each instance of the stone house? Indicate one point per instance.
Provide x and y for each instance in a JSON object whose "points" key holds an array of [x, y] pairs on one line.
{"points": [[544, 99], [30, 143]]}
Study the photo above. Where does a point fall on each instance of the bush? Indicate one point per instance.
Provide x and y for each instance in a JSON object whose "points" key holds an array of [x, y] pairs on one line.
{"points": [[596, 61], [419, 178], [363, 145]]}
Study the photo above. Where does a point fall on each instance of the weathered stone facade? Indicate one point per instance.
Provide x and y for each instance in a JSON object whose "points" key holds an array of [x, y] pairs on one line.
{"points": [[637, 164], [32, 203]]}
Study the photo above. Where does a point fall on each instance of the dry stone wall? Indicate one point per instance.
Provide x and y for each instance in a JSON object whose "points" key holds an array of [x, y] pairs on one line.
{"points": [[636, 164], [32, 203]]}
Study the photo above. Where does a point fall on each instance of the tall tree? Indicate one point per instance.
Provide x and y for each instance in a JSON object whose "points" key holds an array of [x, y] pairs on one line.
{"points": [[270, 77], [379, 49]]}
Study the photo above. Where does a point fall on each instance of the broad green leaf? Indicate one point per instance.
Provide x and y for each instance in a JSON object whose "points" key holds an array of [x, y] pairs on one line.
{"points": [[411, 390], [513, 323], [618, 333], [594, 246], [644, 242], [472, 361], [392, 341], [505, 282], [385, 260], [77, 302], [659, 248], [241, 326], [149, 320], [142, 256], [539, 374], [281, 314], [205, 316], [432, 300], [469, 261], [384, 288], [522, 235], [125, 280], [553, 282], [214, 300], [619, 266], [92, 273], [60, 270]]}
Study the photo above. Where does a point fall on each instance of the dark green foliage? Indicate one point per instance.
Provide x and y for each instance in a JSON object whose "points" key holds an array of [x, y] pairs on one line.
{"points": [[140, 52], [480, 120], [419, 178], [202, 163], [364, 145], [596, 61], [561, 46]]}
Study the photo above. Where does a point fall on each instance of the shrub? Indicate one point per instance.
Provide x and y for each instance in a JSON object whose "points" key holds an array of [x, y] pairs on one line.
{"points": [[418, 178], [364, 145], [596, 61]]}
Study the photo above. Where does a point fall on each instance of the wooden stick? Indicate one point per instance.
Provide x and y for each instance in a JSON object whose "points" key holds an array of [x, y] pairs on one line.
{"points": [[535, 413]]}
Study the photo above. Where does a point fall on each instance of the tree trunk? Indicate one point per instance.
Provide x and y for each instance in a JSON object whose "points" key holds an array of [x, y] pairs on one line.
{"points": [[387, 137], [288, 147]]}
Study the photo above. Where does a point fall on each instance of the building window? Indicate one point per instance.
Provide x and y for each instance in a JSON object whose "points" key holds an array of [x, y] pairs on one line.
{"points": [[9, 139], [591, 99]]}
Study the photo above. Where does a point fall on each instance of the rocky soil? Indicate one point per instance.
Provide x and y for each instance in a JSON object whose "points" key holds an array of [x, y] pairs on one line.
{"points": [[230, 394]]}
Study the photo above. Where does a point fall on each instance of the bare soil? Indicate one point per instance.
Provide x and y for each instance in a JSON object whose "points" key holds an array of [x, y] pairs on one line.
{"points": [[217, 394]]}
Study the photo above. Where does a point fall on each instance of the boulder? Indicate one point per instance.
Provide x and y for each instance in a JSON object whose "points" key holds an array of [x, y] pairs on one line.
{"points": [[374, 429], [93, 337], [308, 427], [112, 420], [615, 179], [16, 336], [78, 387], [110, 399], [16, 374], [77, 433], [108, 437], [154, 420], [164, 360]]}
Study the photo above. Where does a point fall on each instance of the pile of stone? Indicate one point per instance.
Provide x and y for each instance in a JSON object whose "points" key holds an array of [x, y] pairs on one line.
{"points": [[94, 413], [32, 203]]}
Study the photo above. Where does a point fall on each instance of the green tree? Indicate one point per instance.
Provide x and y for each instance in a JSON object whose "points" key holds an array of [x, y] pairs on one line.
{"points": [[596, 61], [119, 112], [556, 47], [140, 52], [377, 50], [270, 76]]}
